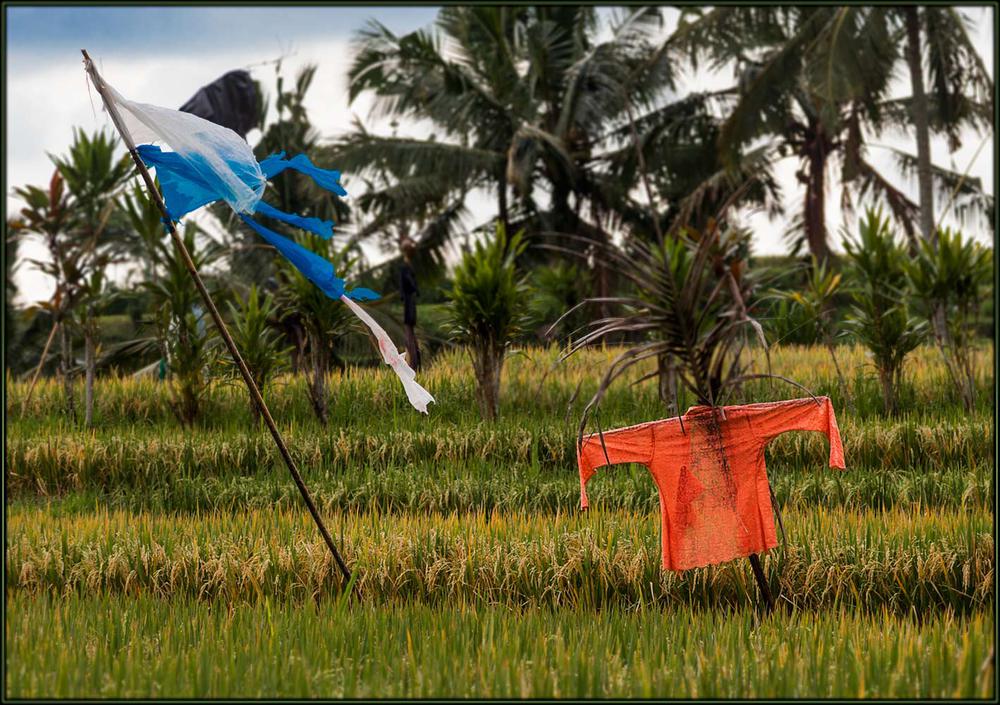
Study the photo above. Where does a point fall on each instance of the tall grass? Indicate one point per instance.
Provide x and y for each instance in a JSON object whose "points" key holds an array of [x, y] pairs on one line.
{"points": [[535, 387], [905, 561], [141, 647], [145, 560], [478, 485]]}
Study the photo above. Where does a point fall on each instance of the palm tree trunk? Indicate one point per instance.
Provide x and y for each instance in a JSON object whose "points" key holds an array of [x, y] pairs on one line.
{"points": [[887, 378], [921, 123], [488, 364], [91, 363], [502, 210], [317, 383], [66, 361], [667, 377], [815, 203]]}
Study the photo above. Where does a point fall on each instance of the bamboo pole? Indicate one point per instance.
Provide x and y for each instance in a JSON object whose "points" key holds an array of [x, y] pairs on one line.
{"points": [[112, 109]]}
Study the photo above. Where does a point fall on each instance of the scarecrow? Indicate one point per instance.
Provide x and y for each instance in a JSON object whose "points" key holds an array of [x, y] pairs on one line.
{"points": [[708, 464]]}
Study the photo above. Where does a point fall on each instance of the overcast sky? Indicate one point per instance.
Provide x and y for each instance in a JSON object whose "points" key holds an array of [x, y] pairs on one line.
{"points": [[162, 55]]}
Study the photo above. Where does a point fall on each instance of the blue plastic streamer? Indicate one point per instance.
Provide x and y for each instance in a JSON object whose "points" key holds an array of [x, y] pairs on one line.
{"points": [[323, 228], [187, 188], [328, 179], [316, 269]]}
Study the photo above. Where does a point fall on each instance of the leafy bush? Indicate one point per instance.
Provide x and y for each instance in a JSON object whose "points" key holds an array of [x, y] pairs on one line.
{"points": [[948, 279], [879, 317], [258, 342], [489, 300]]}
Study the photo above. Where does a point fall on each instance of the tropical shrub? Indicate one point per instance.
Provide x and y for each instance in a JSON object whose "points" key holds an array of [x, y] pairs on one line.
{"points": [[692, 297], [489, 300], [556, 289], [948, 279], [813, 307], [879, 317], [317, 322], [259, 343], [186, 342]]}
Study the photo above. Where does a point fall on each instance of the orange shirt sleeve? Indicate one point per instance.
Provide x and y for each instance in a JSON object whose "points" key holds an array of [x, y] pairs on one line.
{"points": [[623, 445], [771, 420]]}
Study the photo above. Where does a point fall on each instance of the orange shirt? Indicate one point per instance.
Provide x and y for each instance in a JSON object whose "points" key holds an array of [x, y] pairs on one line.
{"points": [[715, 502]]}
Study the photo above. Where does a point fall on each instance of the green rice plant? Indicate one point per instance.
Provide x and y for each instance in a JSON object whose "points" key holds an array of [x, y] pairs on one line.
{"points": [[143, 647], [535, 391], [500, 458], [907, 561]]}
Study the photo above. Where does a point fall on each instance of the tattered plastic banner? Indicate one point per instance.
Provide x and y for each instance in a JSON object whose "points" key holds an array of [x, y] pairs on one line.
{"points": [[211, 163]]}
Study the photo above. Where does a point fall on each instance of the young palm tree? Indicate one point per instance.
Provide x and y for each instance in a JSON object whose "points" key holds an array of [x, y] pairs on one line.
{"points": [[489, 304], [188, 345], [690, 302], [818, 307], [144, 219], [95, 296], [258, 341], [93, 177], [949, 276], [323, 320], [880, 318]]}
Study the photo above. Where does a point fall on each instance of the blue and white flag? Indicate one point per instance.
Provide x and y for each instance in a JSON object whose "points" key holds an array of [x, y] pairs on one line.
{"points": [[209, 163]]}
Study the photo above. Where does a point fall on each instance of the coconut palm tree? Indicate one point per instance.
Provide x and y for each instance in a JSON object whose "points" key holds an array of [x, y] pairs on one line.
{"points": [[783, 101], [960, 90], [527, 100], [815, 82]]}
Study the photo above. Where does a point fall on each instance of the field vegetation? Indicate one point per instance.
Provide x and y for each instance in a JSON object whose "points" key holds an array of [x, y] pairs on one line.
{"points": [[477, 573]]}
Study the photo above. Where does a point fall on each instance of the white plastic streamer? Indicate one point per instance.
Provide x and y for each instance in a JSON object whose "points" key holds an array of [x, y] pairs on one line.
{"points": [[418, 396], [212, 149]]}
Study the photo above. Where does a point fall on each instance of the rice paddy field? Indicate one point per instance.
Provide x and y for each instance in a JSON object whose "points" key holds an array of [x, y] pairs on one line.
{"points": [[144, 559]]}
